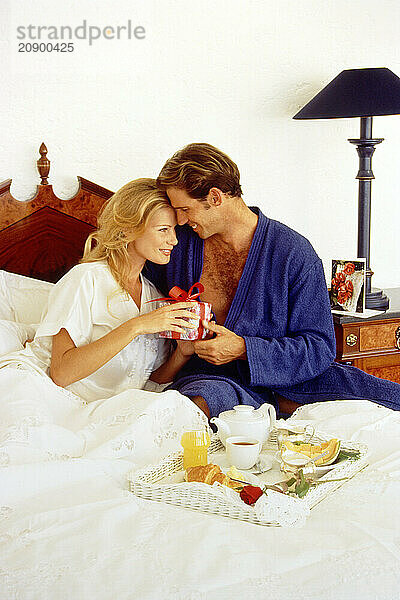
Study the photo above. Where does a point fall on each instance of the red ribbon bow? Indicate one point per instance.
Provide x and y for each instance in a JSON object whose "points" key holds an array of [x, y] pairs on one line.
{"points": [[176, 294]]}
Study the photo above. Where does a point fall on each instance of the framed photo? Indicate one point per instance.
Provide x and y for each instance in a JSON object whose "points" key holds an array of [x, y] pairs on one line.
{"points": [[347, 293]]}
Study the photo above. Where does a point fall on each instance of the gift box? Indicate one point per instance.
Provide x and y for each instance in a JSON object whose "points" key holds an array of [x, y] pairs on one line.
{"points": [[200, 309]]}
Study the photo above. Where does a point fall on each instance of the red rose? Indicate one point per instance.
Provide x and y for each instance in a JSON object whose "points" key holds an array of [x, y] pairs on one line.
{"points": [[345, 292], [349, 288], [340, 278], [250, 494], [349, 268]]}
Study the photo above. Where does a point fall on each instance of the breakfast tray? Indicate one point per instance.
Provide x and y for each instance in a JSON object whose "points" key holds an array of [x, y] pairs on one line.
{"points": [[151, 483]]}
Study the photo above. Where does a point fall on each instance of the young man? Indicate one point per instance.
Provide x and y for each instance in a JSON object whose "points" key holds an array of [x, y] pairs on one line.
{"points": [[273, 332]]}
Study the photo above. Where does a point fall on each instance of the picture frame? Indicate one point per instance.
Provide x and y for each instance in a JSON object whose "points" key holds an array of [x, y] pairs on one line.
{"points": [[347, 291]]}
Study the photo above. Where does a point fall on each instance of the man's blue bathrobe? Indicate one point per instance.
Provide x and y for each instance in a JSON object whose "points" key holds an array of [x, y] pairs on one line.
{"points": [[281, 309]]}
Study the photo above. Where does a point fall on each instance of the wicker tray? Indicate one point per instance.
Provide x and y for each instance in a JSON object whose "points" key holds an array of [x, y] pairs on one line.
{"points": [[151, 483]]}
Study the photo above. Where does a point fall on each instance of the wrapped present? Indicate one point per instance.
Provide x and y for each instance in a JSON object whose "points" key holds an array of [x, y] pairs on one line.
{"points": [[200, 309]]}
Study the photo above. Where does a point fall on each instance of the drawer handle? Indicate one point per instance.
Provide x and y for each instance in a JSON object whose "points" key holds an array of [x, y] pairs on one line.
{"points": [[397, 336], [351, 339]]}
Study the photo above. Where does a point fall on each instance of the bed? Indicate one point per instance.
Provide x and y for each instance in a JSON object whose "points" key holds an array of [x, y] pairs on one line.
{"points": [[70, 527]]}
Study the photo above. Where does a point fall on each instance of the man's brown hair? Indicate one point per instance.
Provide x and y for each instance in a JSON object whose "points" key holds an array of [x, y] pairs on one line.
{"points": [[199, 167]]}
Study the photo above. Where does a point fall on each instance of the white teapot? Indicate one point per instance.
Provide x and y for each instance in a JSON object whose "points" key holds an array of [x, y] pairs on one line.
{"points": [[247, 421]]}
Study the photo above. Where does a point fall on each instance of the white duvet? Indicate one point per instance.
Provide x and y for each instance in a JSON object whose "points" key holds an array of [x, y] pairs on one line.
{"points": [[70, 529]]}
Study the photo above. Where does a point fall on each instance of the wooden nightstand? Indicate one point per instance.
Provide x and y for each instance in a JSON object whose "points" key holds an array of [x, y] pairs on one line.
{"points": [[373, 344]]}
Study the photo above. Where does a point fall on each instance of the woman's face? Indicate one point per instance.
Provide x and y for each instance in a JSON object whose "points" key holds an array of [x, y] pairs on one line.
{"points": [[158, 239]]}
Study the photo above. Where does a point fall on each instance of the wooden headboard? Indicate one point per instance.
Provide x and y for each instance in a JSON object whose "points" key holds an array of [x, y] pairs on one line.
{"points": [[44, 236]]}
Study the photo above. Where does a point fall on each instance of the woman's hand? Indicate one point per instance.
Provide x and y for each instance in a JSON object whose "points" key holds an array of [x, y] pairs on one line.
{"points": [[166, 318]]}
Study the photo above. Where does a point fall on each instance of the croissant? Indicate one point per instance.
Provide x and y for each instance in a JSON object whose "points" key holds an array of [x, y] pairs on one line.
{"points": [[210, 474]]}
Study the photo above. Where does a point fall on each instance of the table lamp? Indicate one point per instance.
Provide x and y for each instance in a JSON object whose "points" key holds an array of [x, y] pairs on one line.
{"points": [[360, 93]]}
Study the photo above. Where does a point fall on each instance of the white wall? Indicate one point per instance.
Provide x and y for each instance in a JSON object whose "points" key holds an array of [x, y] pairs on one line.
{"points": [[229, 72]]}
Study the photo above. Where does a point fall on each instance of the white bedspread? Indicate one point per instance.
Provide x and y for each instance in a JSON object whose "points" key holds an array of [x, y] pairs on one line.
{"points": [[70, 529]]}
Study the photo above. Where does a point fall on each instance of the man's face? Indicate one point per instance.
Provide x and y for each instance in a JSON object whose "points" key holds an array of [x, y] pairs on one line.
{"points": [[198, 215]]}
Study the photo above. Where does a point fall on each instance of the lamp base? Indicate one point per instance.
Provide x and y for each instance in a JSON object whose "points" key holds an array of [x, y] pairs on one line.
{"points": [[376, 300]]}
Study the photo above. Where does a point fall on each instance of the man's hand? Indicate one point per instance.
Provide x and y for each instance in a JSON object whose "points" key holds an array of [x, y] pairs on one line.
{"points": [[224, 348]]}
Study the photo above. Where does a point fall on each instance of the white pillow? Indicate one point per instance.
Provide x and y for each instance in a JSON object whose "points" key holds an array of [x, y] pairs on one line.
{"points": [[24, 297], [14, 335], [6, 310]]}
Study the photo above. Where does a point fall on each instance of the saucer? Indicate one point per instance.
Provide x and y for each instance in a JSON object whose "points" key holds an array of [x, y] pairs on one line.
{"points": [[264, 464]]}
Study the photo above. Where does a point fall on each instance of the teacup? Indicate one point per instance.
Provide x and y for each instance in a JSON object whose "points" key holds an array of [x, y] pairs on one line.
{"points": [[242, 452]]}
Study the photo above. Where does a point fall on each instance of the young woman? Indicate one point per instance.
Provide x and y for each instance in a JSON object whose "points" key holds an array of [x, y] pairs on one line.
{"points": [[102, 316], [99, 336]]}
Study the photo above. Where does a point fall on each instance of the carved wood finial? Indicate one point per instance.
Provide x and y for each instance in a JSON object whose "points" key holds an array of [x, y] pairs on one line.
{"points": [[43, 164]]}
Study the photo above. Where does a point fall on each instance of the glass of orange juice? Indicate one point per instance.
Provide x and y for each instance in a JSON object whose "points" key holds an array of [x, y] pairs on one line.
{"points": [[195, 444]]}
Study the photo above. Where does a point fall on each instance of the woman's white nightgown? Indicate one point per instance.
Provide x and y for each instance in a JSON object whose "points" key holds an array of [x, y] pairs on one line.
{"points": [[91, 417]]}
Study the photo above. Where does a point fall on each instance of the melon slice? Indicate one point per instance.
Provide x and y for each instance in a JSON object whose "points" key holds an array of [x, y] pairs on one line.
{"points": [[332, 447]]}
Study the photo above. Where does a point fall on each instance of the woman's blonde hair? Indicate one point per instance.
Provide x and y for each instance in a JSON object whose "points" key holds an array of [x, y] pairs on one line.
{"points": [[122, 220]]}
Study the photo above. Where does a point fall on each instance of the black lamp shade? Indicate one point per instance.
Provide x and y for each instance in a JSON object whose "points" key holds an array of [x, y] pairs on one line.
{"points": [[356, 93]]}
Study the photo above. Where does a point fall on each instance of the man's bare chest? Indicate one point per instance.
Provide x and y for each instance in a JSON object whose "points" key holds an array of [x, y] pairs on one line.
{"points": [[222, 270]]}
